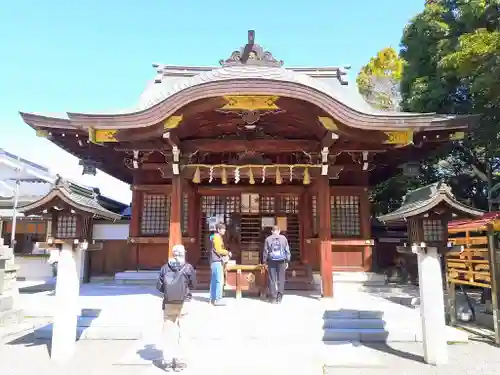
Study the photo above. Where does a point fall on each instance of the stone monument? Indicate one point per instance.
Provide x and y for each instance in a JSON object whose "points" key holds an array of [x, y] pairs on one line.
{"points": [[9, 312]]}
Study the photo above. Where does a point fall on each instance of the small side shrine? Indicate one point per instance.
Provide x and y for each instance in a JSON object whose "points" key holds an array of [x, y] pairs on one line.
{"points": [[427, 211], [72, 209]]}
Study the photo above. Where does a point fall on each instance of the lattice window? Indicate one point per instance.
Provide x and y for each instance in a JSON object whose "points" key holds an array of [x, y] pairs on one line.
{"points": [[288, 204], [266, 204], [346, 218], [66, 226], [155, 214], [221, 207], [433, 230], [185, 214], [315, 216]]}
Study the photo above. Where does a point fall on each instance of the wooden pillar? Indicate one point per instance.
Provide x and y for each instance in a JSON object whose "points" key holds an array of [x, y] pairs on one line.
{"points": [[196, 212], [325, 247], [135, 227], [366, 230], [305, 221], [175, 231]]}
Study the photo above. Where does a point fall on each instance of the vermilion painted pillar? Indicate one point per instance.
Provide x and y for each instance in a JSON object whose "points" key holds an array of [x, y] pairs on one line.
{"points": [[175, 231], [325, 246]]}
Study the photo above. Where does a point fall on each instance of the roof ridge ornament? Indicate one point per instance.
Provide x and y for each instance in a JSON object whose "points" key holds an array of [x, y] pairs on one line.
{"points": [[251, 54]]}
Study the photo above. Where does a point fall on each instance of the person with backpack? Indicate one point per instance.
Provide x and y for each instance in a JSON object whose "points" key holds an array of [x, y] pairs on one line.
{"points": [[219, 256], [276, 256], [176, 281]]}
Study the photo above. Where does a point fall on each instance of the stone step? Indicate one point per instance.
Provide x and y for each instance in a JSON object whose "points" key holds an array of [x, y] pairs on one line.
{"points": [[364, 330], [94, 333]]}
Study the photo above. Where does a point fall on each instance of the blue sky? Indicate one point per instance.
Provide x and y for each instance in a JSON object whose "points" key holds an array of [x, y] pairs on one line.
{"points": [[85, 56]]}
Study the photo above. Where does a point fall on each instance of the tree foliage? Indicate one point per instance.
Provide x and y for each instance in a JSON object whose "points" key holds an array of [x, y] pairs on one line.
{"points": [[378, 81], [451, 52]]}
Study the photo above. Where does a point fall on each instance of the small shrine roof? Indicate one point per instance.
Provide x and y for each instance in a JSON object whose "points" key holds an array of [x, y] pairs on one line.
{"points": [[80, 197], [423, 199]]}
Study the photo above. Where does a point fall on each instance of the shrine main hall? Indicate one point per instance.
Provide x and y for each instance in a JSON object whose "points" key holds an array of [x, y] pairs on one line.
{"points": [[253, 144]]}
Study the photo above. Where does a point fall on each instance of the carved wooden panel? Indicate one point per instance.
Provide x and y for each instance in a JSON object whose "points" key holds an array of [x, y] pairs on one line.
{"points": [[66, 226], [155, 218], [315, 216], [346, 216], [185, 213]]}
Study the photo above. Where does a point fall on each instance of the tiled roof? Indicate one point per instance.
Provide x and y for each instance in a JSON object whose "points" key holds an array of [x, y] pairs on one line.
{"points": [[420, 200], [78, 196], [168, 85]]}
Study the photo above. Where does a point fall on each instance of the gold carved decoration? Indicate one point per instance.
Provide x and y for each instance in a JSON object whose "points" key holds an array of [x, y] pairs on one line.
{"points": [[250, 102], [399, 138], [105, 135], [251, 278], [172, 122], [42, 133], [328, 123], [457, 136]]}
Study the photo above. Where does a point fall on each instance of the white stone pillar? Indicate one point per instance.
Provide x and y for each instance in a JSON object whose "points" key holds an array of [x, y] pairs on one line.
{"points": [[79, 255], [432, 306], [67, 306]]}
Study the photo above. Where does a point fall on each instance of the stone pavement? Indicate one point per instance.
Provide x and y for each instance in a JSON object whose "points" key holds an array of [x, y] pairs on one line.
{"points": [[246, 334], [23, 356]]}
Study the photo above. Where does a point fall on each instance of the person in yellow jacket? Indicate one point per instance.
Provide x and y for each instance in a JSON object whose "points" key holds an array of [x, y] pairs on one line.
{"points": [[219, 255]]}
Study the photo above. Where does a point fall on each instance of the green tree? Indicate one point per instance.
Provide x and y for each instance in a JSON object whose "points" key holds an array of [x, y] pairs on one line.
{"points": [[452, 55], [378, 81]]}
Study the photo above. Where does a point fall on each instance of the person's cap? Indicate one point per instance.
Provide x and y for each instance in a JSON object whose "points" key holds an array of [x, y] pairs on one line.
{"points": [[179, 251]]}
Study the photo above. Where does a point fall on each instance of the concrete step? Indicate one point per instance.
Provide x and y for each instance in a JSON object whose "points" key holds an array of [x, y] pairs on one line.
{"points": [[95, 333]]}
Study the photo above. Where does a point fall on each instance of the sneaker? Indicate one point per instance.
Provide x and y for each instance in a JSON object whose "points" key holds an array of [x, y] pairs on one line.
{"points": [[219, 302]]}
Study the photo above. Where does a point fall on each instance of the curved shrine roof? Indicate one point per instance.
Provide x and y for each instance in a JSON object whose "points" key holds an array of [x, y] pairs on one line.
{"points": [[252, 71]]}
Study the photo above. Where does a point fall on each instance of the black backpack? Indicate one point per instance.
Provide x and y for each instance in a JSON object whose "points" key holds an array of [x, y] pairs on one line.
{"points": [[276, 251], [174, 286]]}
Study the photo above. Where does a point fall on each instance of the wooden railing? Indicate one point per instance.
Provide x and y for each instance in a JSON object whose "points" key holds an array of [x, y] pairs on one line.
{"points": [[470, 266]]}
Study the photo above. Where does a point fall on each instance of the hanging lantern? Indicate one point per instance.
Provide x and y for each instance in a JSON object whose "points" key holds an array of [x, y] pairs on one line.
{"points": [[307, 177], [278, 177], [251, 180], [196, 176], [223, 176]]}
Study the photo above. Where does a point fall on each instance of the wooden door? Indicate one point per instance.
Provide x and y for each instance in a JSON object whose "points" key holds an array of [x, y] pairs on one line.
{"points": [[346, 225]]}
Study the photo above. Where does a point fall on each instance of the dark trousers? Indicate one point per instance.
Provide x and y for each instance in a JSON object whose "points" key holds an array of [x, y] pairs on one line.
{"points": [[276, 273]]}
